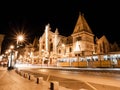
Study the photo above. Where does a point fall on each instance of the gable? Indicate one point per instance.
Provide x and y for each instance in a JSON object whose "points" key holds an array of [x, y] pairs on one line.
{"points": [[81, 25]]}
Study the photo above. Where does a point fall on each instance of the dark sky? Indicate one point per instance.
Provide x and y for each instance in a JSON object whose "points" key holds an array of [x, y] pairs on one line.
{"points": [[31, 17]]}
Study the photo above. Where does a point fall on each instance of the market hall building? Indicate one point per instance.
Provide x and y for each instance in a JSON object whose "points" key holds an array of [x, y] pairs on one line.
{"points": [[81, 49]]}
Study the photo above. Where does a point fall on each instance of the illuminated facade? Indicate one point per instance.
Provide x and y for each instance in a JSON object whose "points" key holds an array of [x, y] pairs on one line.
{"points": [[80, 43]]}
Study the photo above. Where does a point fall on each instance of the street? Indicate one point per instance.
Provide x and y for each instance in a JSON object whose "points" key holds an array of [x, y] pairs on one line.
{"points": [[68, 80], [74, 79]]}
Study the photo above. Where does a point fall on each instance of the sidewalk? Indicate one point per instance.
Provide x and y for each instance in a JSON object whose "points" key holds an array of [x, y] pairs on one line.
{"points": [[10, 80]]}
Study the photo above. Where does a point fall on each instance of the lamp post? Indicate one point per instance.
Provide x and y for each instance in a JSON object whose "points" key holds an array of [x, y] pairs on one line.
{"points": [[10, 59], [19, 39]]}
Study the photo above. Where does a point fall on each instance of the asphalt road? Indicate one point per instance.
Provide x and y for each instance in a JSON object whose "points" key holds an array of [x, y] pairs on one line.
{"points": [[76, 80]]}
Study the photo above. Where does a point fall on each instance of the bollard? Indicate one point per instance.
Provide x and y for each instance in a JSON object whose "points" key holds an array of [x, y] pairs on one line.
{"points": [[28, 76], [54, 85], [25, 75], [31, 77], [39, 79], [16, 70], [51, 86], [21, 73]]}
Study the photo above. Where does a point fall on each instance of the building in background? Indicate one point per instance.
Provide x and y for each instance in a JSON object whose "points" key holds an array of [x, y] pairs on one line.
{"points": [[1, 40]]}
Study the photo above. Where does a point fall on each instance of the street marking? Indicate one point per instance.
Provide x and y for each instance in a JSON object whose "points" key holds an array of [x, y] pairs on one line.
{"points": [[90, 85], [48, 77]]}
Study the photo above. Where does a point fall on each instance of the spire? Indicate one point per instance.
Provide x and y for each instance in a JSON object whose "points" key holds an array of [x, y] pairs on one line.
{"points": [[96, 38], [47, 27], [81, 24], [35, 42], [56, 31]]}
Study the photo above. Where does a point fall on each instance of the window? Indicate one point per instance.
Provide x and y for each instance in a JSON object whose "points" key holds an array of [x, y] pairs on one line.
{"points": [[59, 51], [70, 49], [50, 39], [78, 38], [51, 47], [43, 47]]}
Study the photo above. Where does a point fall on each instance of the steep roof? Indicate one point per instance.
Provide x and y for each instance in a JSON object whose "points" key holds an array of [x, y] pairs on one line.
{"points": [[81, 25], [35, 42], [103, 38]]}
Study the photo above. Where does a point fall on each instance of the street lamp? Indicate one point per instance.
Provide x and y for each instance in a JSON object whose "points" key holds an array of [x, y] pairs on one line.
{"points": [[10, 59], [20, 38]]}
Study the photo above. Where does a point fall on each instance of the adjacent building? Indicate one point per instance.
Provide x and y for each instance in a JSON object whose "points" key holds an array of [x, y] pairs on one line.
{"points": [[1, 40]]}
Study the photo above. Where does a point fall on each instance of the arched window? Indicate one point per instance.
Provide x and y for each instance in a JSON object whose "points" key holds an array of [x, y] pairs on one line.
{"points": [[59, 51], [43, 47], [51, 47], [70, 49]]}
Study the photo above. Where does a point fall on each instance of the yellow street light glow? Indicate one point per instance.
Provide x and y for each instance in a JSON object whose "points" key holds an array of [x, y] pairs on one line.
{"points": [[6, 52], [11, 47], [9, 50], [20, 38]]}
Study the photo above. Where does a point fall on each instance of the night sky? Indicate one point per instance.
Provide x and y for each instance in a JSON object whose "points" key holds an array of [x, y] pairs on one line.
{"points": [[30, 17]]}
